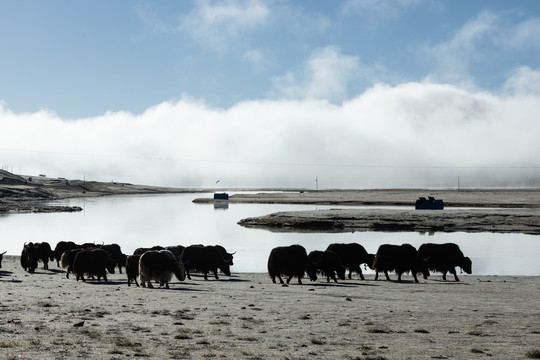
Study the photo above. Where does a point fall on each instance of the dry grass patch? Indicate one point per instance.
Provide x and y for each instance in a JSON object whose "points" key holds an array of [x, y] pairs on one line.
{"points": [[183, 314]]}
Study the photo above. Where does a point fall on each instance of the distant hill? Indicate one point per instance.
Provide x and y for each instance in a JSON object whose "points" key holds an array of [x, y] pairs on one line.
{"points": [[8, 178]]}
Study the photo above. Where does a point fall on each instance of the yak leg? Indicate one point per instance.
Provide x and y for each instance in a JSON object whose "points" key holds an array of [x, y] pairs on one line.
{"points": [[280, 279], [376, 275], [289, 279], [215, 274], [414, 276], [444, 275], [453, 271], [299, 280], [388, 277], [359, 271]]}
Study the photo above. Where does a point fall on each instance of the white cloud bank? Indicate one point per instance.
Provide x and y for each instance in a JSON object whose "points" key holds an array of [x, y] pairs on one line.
{"points": [[409, 135]]}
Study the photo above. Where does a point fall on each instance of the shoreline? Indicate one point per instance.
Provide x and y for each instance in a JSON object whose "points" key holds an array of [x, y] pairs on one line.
{"points": [[467, 210], [478, 210]]}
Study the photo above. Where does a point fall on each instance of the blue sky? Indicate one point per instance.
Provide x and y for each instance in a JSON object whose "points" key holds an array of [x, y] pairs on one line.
{"points": [[209, 71]]}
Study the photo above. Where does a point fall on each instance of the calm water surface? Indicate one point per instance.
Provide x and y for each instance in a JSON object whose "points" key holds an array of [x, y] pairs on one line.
{"points": [[142, 221]]}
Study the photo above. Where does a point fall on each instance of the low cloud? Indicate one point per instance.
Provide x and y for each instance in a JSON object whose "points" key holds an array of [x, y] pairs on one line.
{"points": [[409, 135]]}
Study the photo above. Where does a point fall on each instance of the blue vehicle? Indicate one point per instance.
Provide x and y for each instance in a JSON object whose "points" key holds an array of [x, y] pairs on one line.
{"points": [[428, 204]]}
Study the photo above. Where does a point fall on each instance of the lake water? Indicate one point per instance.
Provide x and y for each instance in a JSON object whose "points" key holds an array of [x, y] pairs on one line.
{"points": [[143, 221]]}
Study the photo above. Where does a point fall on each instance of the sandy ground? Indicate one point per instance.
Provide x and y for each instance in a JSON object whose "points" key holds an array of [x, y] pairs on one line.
{"points": [[246, 316]]}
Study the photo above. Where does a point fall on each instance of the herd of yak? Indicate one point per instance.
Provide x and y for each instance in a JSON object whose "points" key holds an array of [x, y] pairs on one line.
{"points": [[160, 263]]}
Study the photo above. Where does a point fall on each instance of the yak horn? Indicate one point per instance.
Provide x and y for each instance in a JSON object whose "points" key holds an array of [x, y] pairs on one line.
{"points": [[3, 252]]}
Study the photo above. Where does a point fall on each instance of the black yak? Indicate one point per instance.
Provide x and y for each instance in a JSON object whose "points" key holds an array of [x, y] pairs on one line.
{"points": [[67, 259], [29, 257], [399, 258], [444, 258], [290, 261], [159, 265], [352, 255], [132, 268], [115, 252], [93, 262], [204, 259], [328, 264], [62, 246]]}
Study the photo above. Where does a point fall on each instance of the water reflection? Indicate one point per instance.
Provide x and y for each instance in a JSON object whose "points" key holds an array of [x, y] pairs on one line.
{"points": [[136, 221]]}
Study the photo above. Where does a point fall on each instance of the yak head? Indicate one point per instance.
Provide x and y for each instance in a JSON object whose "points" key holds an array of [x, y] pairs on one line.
{"points": [[110, 264], [369, 261], [341, 272], [226, 268], [311, 270], [466, 265], [179, 271], [423, 267]]}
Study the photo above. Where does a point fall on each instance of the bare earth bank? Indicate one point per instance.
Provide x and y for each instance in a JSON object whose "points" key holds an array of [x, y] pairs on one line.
{"points": [[46, 316], [478, 210]]}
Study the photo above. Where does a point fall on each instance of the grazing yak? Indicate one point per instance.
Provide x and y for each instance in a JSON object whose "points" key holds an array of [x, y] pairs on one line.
{"points": [[62, 246], [93, 262], [399, 258], [290, 261], [352, 255], [132, 268], [444, 258], [115, 252], [45, 253], [1, 256], [328, 264], [204, 259], [66, 261], [30, 257], [34, 252], [159, 265]]}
